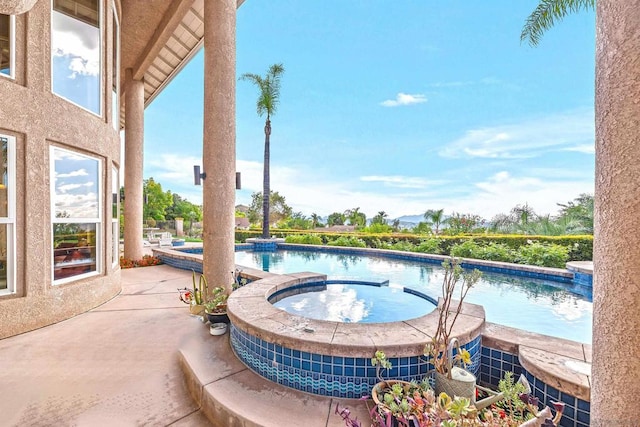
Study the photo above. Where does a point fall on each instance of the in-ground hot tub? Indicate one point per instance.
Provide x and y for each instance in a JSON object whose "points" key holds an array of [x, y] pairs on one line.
{"points": [[328, 357], [353, 301]]}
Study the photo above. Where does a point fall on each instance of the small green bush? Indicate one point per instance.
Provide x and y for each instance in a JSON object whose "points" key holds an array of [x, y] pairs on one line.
{"points": [[466, 249], [403, 245], [429, 246], [303, 239], [546, 255], [498, 252], [353, 242], [377, 228]]}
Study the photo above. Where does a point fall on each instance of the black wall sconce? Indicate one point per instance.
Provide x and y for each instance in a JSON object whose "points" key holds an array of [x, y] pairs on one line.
{"points": [[198, 177]]}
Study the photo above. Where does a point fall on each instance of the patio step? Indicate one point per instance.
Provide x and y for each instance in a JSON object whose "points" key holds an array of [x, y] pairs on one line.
{"points": [[231, 395]]}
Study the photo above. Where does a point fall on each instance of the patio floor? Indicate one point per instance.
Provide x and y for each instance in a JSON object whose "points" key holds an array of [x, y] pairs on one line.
{"points": [[122, 364]]}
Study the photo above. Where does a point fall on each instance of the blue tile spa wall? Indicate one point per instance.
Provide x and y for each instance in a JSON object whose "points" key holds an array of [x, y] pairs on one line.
{"points": [[337, 376], [495, 362]]}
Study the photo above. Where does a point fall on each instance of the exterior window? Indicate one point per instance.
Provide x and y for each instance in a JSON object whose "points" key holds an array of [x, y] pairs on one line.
{"points": [[115, 95], [6, 45], [76, 52], [115, 216], [7, 214], [76, 209]]}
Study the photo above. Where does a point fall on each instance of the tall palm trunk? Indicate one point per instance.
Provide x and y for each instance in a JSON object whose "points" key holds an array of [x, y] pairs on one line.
{"points": [[266, 192]]}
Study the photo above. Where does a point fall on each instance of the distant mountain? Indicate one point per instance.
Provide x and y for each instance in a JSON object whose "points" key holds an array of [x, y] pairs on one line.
{"points": [[411, 219]]}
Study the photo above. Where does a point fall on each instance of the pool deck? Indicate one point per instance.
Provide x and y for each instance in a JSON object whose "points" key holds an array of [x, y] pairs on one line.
{"points": [[141, 359], [133, 360]]}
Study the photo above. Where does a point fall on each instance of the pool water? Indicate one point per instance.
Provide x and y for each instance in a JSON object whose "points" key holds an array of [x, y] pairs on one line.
{"points": [[353, 303], [545, 307]]}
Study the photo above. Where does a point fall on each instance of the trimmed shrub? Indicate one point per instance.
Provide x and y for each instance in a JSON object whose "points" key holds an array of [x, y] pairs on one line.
{"points": [[429, 246], [546, 255], [403, 245], [352, 242], [498, 252], [304, 239], [466, 249]]}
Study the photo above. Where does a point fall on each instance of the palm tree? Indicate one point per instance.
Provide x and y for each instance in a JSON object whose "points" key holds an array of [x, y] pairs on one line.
{"points": [[355, 217], [315, 220], [434, 217], [268, 99], [545, 15]]}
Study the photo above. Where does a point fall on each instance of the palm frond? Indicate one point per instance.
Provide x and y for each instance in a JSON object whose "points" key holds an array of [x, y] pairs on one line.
{"points": [[269, 89], [547, 13]]}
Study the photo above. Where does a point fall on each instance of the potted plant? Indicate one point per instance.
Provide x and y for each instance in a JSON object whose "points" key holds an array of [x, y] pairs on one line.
{"points": [[216, 306], [397, 402], [449, 378], [196, 296], [426, 409]]}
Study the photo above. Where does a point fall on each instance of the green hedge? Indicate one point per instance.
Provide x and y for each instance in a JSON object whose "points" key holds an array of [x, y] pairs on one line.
{"points": [[535, 250]]}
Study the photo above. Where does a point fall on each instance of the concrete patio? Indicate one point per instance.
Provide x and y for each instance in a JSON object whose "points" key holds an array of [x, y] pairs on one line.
{"points": [[132, 361]]}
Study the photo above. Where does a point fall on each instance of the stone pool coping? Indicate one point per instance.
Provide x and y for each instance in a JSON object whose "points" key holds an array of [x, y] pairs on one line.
{"points": [[250, 311], [561, 363]]}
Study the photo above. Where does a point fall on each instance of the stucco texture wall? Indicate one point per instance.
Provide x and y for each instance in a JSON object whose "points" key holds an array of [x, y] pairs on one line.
{"points": [[38, 119]]}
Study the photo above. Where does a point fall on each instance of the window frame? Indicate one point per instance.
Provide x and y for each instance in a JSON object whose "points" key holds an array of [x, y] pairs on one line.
{"points": [[115, 115], [98, 221], [10, 219], [115, 221], [101, 80], [12, 49]]}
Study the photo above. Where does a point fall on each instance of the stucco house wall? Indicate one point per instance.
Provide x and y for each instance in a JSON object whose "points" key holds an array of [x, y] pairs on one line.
{"points": [[39, 119]]}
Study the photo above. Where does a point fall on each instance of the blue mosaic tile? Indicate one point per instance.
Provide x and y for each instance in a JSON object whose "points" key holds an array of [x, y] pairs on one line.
{"points": [[584, 405], [553, 393], [568, 399]]}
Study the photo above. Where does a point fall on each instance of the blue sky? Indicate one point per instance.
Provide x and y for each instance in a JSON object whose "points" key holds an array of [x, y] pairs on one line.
{"points": [[397, 107]]}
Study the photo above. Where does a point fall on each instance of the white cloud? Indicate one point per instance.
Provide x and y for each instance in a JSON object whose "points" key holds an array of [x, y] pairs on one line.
{"points": [[528, 138], [583, 148], [79, 172], [315, 190], [77, 41], [66, 188], [404, 99], [83, 205], [399, 181]]}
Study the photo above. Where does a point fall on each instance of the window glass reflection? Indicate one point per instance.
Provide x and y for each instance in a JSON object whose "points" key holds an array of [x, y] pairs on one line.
{"points": [[76, 185], [4, 177], [74, 250], [5, 45], [115, 74], [75, 49]]}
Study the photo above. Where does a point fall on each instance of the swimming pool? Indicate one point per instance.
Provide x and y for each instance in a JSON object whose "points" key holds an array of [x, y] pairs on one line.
{"points": [[536, 305]]}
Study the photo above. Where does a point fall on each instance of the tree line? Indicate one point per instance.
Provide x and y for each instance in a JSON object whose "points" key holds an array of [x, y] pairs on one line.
{"points": [[574, 217]]}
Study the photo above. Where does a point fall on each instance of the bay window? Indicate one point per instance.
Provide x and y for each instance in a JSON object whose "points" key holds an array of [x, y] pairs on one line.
{"points": [[7, 214], [76, 52], [7, 45], [76, 215]]}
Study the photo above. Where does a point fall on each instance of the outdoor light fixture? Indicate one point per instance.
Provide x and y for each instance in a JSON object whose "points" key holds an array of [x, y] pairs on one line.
{"points": [[197, 176]]}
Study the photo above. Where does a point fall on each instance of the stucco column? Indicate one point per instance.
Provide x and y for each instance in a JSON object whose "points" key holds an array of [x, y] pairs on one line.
{"points": [[219, 150], [616, 287], [133, 163]]}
